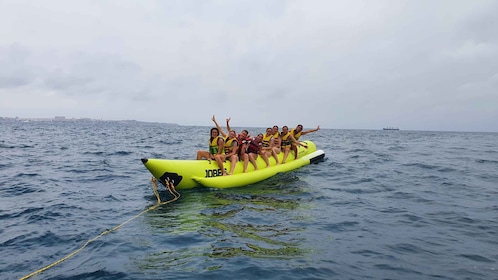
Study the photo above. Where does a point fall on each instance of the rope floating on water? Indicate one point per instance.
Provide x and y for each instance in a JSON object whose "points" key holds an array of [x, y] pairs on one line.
{"points": [[171, 189]]}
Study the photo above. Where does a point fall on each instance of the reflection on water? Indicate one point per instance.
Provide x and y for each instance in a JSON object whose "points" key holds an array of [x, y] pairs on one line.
{"points": [[211, 226]]}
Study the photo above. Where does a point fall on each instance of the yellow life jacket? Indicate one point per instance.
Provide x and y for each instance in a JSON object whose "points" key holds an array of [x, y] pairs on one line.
{"points": [[229, 145], [296, 135], [266, 140], [286, 140], [213, 146]]}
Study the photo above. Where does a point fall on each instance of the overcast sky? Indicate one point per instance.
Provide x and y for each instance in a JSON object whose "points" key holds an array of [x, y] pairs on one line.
{"points": [[416, 65]]}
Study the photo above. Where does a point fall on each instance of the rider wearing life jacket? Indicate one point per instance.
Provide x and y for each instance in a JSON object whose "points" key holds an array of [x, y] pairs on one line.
{"points": [[254, 148], [275, 132], [286, 138], [243, 139], [267, 139], [231, 147], [287, 141], [255, 144], [297, 133], [270, 143], [215, 149], [276, 143], [215, 146]]}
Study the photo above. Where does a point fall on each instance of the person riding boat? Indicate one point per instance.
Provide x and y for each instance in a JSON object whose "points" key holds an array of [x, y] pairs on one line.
{"points": [[253, 150], [275, 144], [287, 141], [215, 149], [231, 151], [297, 133]]}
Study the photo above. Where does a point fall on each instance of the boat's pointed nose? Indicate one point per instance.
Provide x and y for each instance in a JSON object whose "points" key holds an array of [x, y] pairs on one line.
{"points": [[144, 160]]}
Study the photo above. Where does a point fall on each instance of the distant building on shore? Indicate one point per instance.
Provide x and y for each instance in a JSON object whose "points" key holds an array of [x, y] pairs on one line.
{"points": [[64, 119]]}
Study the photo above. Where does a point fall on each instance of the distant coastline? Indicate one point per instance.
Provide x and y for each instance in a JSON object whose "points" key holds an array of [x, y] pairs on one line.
{"points": [[64, 119]]}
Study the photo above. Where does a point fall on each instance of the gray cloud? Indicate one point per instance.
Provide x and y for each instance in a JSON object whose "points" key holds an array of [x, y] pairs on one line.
{"points": [[355, 64]]}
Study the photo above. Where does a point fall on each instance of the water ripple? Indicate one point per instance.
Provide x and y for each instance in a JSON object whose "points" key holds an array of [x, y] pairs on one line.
{"points": [[403, 205]]}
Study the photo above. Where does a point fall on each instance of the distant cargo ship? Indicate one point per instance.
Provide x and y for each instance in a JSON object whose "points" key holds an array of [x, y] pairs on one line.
{"points": [[390, 128]]}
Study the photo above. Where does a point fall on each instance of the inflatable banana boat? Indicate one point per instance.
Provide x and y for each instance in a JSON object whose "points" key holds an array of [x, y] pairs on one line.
{"points": [[186, 174]]}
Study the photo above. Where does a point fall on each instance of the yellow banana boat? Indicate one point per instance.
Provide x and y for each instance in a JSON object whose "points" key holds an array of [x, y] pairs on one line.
{"points": [[186, 174]]}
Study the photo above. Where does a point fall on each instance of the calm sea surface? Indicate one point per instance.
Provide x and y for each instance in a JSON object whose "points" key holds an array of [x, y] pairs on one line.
{"points": [[382, 205]]}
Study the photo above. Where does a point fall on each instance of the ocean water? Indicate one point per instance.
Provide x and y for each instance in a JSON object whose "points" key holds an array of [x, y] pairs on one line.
{"points": [[382, 205]]}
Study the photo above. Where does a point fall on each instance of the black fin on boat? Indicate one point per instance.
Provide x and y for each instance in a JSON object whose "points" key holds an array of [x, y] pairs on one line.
{"points": [[317, 159], [172, 178]]}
